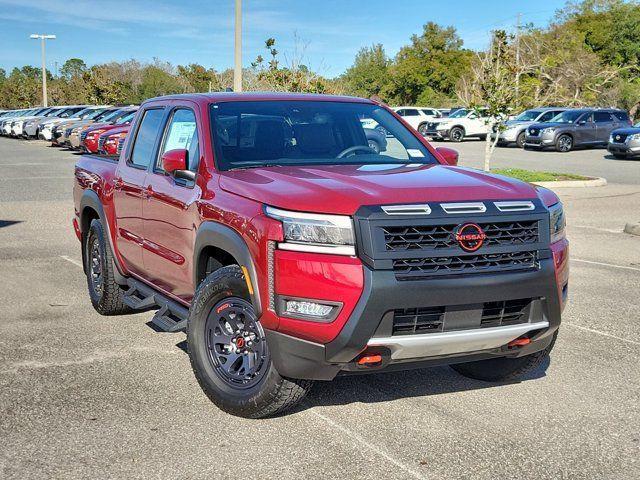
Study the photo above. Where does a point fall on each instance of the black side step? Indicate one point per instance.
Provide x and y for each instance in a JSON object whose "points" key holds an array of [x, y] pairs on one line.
{"points": [[171, 316]]}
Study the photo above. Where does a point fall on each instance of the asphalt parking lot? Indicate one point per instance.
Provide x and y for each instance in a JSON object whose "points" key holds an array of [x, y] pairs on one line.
{"points": [[85, 396]]}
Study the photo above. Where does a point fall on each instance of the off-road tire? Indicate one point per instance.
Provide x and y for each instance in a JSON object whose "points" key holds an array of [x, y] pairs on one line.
{"points": [[272, 394], [520, 139], [504, 369], [456, 134], [110, 300]]}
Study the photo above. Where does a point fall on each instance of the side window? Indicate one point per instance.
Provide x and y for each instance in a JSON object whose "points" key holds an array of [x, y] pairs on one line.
{"points": [[621, 116], [411, 112], [546, 116], [401, 112], [587, 117], [146, 138], [181, 133], [602, 117]]}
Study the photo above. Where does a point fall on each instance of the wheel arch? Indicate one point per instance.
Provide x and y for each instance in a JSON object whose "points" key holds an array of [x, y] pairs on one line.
{"points": [[228, 247], [91, 208]]}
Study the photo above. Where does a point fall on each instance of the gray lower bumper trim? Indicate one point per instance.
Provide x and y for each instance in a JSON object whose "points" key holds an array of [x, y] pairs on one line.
{"points": [[461, 341]]}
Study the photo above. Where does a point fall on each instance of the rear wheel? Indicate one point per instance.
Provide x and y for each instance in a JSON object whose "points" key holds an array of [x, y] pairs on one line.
{"points": [[422, 129], [106, 295], [564, 143], [456, 134], [229, 352], [504, 368]]}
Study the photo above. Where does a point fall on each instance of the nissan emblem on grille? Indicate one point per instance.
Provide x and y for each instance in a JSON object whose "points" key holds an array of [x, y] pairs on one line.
{"points": [[617, 137], [470, 236]]}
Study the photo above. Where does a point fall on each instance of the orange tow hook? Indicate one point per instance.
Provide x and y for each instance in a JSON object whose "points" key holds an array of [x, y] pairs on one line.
{"points": [[519, 342], [370, 360]]}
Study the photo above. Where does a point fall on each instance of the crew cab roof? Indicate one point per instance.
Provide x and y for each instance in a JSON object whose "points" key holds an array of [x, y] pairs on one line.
{"points": [[258, 96]]}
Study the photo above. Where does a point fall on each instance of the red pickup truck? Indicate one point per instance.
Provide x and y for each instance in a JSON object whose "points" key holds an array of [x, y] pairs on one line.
{"points": [[267, 227]]}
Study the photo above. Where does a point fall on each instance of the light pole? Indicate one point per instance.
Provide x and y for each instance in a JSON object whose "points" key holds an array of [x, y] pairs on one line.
{"points": [[42, 38], [237, 69]]}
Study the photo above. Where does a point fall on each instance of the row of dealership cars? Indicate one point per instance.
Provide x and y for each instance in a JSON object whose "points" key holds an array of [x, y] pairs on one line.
{"points": [[97, 129], [561, 129], [102, 129]]}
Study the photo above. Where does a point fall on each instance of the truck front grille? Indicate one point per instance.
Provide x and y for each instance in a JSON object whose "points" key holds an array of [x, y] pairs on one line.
{"points": [[414, 268], [443, 236], [425, 320]]}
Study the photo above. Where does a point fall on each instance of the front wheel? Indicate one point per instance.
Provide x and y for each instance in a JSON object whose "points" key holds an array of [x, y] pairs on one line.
{"points": [[520, 140], [564, 143], [229, 353], [504, 369], [422, 129], [456, 134]]}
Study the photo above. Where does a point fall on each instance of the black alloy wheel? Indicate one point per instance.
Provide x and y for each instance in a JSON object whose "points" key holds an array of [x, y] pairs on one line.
{"points": [[236, 343]]}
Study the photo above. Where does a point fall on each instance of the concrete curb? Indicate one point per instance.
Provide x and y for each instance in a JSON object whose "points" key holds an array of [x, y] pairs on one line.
{"points": [[592, 182], [632, 229]]}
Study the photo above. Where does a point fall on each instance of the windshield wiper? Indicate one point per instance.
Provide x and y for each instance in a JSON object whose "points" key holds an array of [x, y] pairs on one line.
{"points": [[254, 165]]}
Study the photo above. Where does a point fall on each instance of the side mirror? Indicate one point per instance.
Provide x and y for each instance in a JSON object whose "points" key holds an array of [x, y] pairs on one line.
{"points": [[582, 122], [449, 155], [174, 162]]}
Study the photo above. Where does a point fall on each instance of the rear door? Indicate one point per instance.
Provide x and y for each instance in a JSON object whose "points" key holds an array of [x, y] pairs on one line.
{"points": [[129, 187], [604, 126], [169, 210]]}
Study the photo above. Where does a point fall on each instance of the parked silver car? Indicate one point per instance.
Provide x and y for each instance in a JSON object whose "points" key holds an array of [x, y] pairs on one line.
{"points": [[625, 142], [515, 131]]}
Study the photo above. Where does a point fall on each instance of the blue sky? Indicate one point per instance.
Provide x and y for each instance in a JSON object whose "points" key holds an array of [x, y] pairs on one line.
{"points": [[184, 31]]}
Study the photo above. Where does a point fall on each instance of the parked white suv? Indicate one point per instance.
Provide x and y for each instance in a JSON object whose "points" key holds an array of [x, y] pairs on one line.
{"points": [[418, 117], [461, 124]]}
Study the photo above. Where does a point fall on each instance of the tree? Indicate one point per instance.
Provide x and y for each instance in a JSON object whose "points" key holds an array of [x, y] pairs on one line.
{"points": [[492, 87], [74, 67], [369, 74], [433, 62], [198, 78]]}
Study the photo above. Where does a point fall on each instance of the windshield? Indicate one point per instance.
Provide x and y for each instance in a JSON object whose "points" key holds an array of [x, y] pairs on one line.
{"points": [[269, 133], [528, 115], [459, 113], [567, 117], [95, 114]]}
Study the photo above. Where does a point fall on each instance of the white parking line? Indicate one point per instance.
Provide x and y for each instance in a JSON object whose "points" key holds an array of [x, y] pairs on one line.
{"points": [[623, 267], [360, 441], [632, 342], [72, 260]]}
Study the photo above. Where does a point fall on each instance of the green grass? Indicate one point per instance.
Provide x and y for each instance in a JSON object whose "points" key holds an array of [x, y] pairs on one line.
{"points": [[529, 176]]}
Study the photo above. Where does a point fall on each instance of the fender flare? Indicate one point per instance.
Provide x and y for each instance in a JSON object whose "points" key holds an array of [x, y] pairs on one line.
{"points": [[90, 199], [214, 234]]}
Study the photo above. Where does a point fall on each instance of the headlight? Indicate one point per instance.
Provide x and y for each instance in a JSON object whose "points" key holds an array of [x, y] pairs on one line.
{"points": [[548, 130], [635, 136], [314, 232], [556, 222]]}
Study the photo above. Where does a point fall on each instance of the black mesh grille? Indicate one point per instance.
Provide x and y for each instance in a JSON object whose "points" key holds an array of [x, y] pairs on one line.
{"points": [[619, 137], [424, 320], [407, 321], [423, 267], [509, 312], [434, 237], [533, 132]]}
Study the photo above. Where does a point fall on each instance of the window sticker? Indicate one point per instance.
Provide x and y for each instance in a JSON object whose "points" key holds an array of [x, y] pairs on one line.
{"points": [[415, 153], [180, 135]]}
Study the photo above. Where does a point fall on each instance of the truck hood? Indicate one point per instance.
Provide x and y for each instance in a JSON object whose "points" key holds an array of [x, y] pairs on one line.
{"points": [[342, 189]]}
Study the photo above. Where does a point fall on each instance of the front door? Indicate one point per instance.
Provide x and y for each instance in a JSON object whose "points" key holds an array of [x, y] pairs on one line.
{"points": [[129, 191], [170, 211], [586, 131]]}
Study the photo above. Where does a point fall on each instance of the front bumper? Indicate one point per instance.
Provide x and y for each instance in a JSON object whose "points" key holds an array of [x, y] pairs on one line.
{"points": [[368, 328], [629, 148], [540, 141], [508, 136]]}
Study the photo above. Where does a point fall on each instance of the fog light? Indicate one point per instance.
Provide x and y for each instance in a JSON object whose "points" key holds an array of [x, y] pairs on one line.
{"points": [[306, 309]]}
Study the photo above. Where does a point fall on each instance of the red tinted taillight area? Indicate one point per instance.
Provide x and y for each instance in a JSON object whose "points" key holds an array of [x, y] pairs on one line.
{"points": [[305, 276], [561, 263]]}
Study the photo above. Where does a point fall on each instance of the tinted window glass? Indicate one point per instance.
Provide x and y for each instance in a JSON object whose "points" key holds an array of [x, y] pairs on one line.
{"points": [[146, 138], [602, 117], [588, 117], [546, 116], [621, 116], [182, 133], [411, 112]]}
